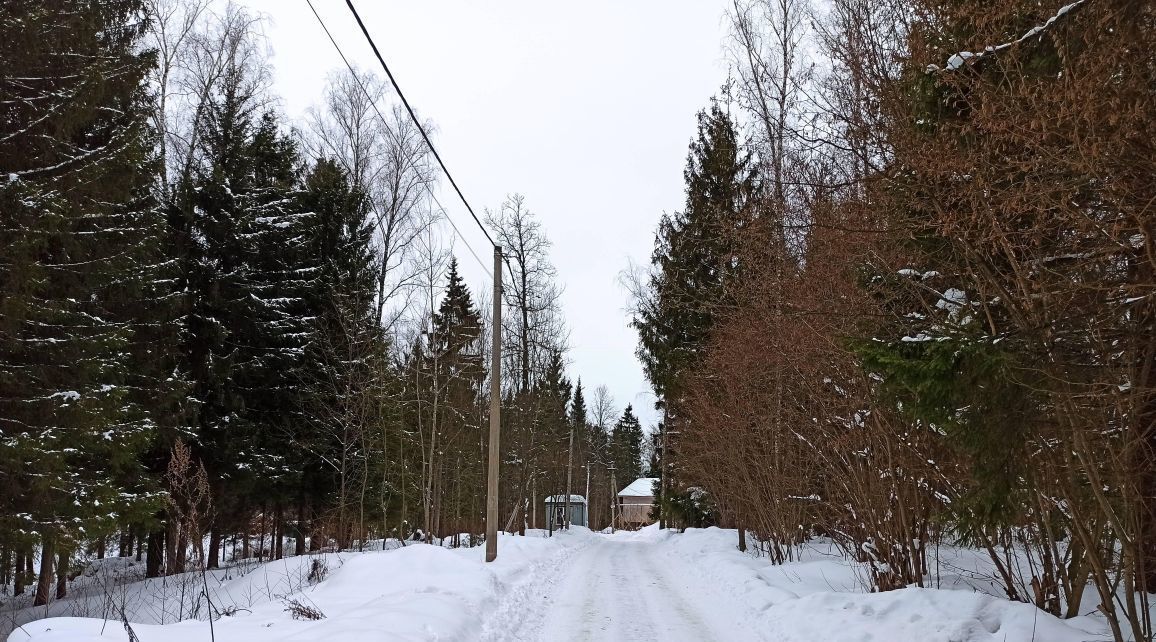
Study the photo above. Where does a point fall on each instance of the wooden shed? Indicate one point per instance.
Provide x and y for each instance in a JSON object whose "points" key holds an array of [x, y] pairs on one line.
{"points": [[635, 502], [556, 511]]}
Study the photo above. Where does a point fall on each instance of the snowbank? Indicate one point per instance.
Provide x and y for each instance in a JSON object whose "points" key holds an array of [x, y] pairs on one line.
{"points": [[419, 592], [821, 598]]}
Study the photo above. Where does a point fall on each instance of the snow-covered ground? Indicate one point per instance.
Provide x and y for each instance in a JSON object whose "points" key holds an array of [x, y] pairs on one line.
{"points": [[649, 585]]}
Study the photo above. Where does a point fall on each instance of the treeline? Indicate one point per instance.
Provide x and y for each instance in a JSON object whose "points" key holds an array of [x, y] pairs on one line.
{"points": [[911, 297], [222, 336]]}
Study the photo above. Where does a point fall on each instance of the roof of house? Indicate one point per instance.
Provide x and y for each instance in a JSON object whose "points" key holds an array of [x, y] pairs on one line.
{"points": [[641, 487], [561, 499]]}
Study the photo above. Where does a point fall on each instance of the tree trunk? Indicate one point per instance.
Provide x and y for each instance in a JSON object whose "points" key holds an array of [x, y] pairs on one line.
{"points": [[299, 539], [261, 544], [182, 554], [214, 560], [62, 574], [278, 529], [742, 536], [156, 547], [170, 545], [5, 566], [44, 581], [316, 538], [19, 575]]}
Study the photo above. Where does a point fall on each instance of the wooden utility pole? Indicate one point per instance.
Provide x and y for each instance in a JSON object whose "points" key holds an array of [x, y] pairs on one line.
{"points": [[495, 414], [662, 463], [569, 475], [587, 495], [613, 499]]}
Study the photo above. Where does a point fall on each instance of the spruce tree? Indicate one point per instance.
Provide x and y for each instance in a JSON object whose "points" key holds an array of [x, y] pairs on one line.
{"points": [[344, 350], [695, 257], [80, 235], [696, 266], [247, 274], [551, 422], [626, 446], [457, 335], [578, 411]]}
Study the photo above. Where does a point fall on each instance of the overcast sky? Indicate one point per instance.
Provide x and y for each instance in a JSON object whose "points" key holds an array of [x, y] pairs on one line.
{"points": [[585, 108]]}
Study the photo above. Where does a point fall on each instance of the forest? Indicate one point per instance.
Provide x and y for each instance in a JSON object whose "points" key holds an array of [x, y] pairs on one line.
{"points": [[911, 298], [224, 334]]}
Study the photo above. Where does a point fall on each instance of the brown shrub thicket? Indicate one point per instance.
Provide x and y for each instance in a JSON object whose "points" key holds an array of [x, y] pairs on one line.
{"points": [[944, 329]]}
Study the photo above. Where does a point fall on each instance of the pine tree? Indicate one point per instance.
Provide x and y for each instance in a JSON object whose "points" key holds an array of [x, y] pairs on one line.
{"points": [[80, 235]]}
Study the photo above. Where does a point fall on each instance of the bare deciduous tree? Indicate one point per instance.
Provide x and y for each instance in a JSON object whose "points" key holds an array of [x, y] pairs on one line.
{"points": [[382, 150], [530, 288]]}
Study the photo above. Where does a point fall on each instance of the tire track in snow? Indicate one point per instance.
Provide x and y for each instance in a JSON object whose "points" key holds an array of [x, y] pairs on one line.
{"points": [[616, 590], [692, 625]]}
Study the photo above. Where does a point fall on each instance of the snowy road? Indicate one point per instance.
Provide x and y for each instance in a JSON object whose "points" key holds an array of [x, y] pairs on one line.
{"points": [[643, 586], [618, 589]]}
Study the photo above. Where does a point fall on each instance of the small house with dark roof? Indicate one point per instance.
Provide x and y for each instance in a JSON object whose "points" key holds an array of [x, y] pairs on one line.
{"points": [[556, 511]]}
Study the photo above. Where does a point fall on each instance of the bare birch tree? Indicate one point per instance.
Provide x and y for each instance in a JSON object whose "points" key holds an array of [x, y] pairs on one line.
{"points": [[382, 150]]}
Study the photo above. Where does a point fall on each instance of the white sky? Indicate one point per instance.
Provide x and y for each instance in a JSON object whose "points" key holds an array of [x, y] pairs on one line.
{"points": [[585, 108]]}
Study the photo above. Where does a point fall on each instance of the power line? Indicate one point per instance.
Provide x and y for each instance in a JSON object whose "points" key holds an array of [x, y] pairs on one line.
{"points": [[492, 465], [389, 130], [459, 234], [413, 116]]}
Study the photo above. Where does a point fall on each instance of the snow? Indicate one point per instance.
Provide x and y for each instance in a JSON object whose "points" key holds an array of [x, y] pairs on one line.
{"points": [[561, 499], [958, 60], [646, 585], [419, 592], [821, 597], [641, 487], [955, 61], [67, 395]]}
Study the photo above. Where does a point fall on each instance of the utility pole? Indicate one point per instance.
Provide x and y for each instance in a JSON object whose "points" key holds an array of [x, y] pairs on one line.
{"points": [[587, 495], [495, 414], [569, 473], [613, 498], [429, 463], [662, 471]]}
